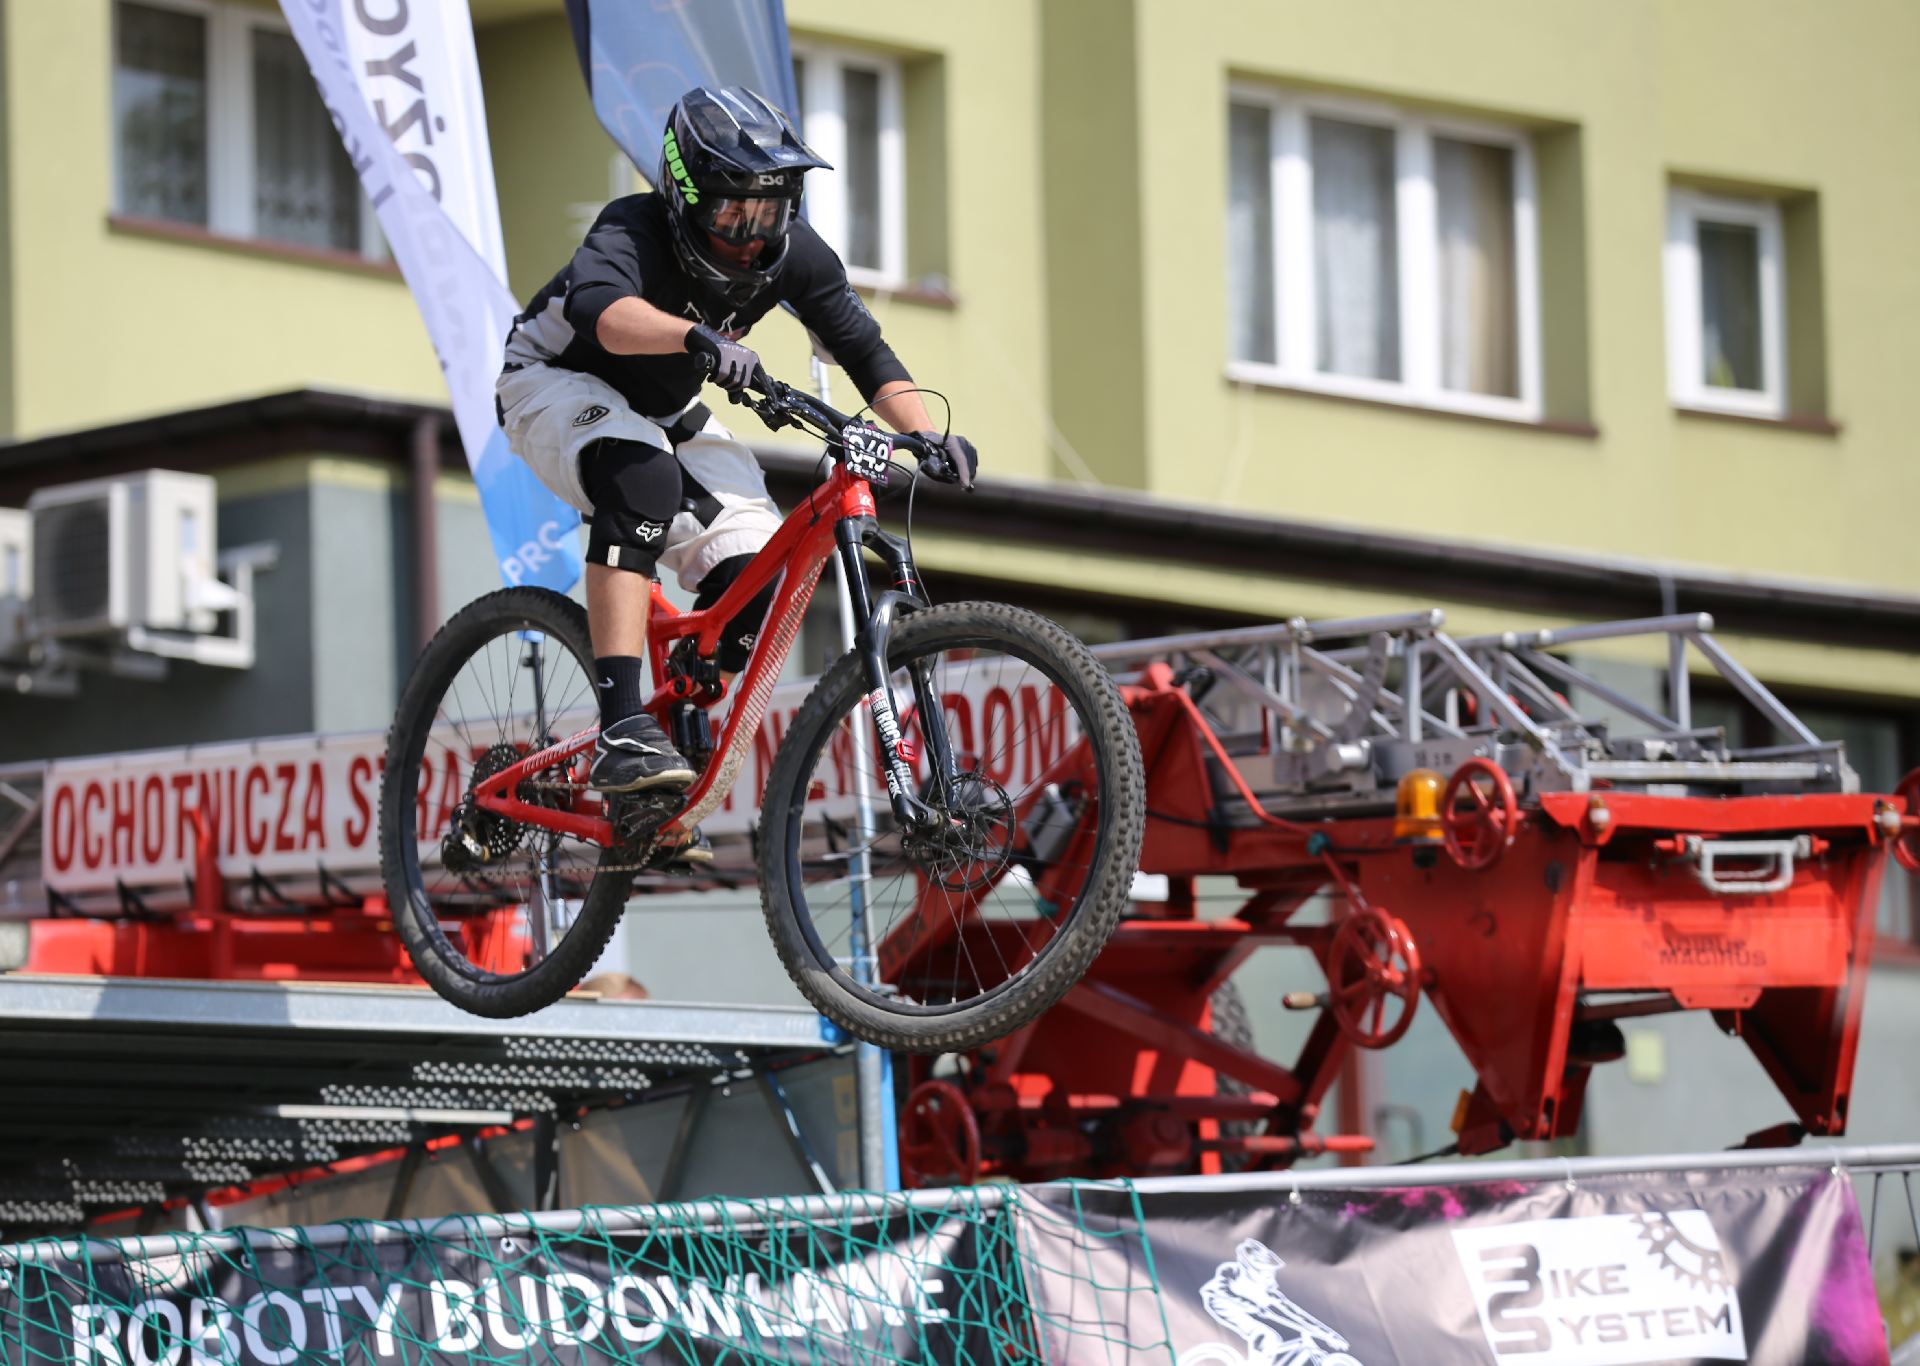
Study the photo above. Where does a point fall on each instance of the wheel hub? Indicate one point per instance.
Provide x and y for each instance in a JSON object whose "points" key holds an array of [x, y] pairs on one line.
{"points": [[973, 842]]}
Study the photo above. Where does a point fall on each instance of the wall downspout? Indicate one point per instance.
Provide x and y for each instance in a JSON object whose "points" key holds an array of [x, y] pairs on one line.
{"points": [[426, 529]]}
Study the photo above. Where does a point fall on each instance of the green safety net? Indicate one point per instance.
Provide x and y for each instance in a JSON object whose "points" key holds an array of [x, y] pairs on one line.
{"points": [[929, 1277]]}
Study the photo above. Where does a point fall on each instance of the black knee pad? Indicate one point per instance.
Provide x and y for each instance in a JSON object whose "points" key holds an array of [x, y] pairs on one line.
{"points": [[736, 642], [635, 490]]}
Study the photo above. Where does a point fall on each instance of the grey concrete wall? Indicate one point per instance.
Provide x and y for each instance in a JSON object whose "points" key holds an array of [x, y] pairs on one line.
{"points": [[360, 602]]}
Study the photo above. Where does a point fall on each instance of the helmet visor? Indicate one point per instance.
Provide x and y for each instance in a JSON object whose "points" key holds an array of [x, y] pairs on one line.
{"points": [[739, 221]]}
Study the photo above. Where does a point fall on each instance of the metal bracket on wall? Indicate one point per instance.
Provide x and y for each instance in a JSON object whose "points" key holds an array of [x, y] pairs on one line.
{"points": [[234, 593]]}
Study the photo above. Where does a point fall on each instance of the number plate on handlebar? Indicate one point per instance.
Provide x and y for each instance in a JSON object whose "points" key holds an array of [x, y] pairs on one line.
{"points": [[867, 452]]}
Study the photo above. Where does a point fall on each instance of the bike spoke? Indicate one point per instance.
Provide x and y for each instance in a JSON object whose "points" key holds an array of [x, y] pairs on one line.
{"points": [[504, 917], [973, 916]]}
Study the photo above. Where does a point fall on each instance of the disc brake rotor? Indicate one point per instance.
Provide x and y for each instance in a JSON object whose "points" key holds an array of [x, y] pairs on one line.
{"points": [[974, 844]]}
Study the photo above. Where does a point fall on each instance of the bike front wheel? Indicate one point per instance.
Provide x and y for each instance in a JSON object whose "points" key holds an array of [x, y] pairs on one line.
{"points": [[944, 939]]}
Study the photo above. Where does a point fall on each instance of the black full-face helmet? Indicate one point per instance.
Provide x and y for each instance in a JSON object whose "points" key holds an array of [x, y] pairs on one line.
{"points": [[730, 170]]}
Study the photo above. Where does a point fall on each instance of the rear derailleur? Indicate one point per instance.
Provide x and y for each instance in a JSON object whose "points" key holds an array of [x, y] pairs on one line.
{"points": [[477, 839]]}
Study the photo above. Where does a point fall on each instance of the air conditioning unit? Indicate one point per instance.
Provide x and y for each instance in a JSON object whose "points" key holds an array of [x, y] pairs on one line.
{"points": [[16, 580], [130, 553]]}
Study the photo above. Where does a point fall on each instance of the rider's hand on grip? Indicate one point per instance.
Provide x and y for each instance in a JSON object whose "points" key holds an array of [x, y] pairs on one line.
{"points": [[729, 364], [950, 459]]}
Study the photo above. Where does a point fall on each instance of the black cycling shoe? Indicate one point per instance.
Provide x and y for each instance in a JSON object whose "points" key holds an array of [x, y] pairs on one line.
{"points": [[692, 856], [635, 755]]}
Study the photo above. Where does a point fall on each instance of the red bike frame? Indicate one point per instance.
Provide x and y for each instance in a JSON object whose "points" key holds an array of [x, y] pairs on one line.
{"points": [[800, 549]]}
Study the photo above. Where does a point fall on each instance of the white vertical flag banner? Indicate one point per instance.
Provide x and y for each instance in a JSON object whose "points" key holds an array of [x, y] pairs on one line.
{"points": [[402, 84]]}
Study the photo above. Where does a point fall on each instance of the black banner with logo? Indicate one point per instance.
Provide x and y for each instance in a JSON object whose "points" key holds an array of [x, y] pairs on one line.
{"points": [[1745, 1265], [1766, 1266]]}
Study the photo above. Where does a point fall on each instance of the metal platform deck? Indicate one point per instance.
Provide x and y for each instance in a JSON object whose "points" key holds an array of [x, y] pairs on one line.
{"points": [[122, 1092]]}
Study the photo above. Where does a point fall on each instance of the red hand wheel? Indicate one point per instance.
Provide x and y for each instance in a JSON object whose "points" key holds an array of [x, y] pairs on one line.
{"points": [[1372, 961], [1478, 813], [939, 1138], [1906, 847]]}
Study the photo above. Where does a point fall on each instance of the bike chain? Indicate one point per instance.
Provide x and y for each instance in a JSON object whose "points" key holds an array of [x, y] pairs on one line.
{"points": [[646, 865]]}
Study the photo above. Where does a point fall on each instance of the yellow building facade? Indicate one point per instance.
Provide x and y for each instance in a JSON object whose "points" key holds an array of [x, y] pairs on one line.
{"points": [[1070, 206]]}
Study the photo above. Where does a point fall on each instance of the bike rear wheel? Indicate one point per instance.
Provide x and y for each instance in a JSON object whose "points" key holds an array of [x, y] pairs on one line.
{"points": [[511, 929], [961, 936]]}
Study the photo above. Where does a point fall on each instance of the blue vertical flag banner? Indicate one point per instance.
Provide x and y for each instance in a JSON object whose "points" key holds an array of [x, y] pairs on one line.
{"points": [[639, 58], [402, 85]]}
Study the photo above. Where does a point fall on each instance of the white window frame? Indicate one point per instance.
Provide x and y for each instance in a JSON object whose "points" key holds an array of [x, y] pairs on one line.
{"points": [[1686, 317], [825, 130], [230, 120], [1416, 205]]}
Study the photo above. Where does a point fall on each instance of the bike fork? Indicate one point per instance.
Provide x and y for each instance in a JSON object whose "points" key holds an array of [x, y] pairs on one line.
{"points": [[874, 620]]}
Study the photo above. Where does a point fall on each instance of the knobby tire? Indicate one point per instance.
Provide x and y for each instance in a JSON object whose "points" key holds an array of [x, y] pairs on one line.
{"points": [[493, 995]]}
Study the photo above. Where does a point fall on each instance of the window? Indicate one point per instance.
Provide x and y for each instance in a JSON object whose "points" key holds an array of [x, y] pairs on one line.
{"points": [[850, 114], [1381, 255], [217, 123], [1726, 315]]}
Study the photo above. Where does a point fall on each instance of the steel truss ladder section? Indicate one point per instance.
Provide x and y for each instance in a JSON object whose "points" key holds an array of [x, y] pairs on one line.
{"points": [[126, 1092], [1327, 716]]}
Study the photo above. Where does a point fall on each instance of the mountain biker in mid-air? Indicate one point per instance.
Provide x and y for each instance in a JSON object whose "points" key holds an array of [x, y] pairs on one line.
{"points": [[600, 393]]}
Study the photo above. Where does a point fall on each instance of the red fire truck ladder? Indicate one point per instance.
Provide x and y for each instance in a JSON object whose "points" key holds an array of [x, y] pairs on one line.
{"points": [[1493, 828]]}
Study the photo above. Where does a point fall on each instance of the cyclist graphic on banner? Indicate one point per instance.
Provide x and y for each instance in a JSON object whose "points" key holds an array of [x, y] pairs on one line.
{"points": [[1244, 1295]]}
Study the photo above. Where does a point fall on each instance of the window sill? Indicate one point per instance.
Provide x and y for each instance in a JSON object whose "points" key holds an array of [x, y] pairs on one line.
{"points": [[1792, 422], [246, 246], [1554, 426], [924, 295]]}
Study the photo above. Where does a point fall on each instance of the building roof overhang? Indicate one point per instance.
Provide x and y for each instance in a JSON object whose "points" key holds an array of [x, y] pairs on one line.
{"points": [[315, 421]]}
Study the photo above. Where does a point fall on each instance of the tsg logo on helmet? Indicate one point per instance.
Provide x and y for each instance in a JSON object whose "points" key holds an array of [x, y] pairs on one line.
{"points": [[731, 167]]}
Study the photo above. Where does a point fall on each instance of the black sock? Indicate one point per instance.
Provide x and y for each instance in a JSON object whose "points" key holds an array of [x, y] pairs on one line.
{"points": [[622, 684]]}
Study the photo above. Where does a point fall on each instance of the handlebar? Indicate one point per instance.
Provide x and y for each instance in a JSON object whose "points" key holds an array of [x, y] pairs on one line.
{"points": [[782, 405]]}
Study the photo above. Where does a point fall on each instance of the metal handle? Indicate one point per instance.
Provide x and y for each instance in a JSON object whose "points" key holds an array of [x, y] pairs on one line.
{"points": [[1773, 877]]}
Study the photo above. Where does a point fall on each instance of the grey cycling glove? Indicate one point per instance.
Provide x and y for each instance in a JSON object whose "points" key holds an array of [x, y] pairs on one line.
{"points": [[956, 463], [730, 365]]}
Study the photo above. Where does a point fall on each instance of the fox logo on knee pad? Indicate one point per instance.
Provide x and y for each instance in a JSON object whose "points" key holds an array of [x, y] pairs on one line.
{"points": [[650, 531]]}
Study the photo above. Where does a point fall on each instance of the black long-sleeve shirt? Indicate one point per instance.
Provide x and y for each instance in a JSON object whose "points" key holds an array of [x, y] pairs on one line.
{"points": [[629, 253]]}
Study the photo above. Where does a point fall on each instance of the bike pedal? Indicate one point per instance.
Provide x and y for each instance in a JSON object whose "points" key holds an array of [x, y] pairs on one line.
{"points": [[638, 816]]}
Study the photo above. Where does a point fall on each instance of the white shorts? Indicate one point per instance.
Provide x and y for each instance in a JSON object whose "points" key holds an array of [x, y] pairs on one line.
{"points": [[551, 415]]}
